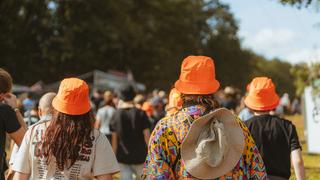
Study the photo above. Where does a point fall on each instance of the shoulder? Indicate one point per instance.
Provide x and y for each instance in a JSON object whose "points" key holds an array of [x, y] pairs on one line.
{"points": [[287, 123], [5, 108], [97, 134], [41, 125]]}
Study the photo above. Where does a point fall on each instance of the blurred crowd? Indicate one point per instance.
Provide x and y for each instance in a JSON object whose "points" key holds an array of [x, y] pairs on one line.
{"points": [[156, 104], [193, 131]]}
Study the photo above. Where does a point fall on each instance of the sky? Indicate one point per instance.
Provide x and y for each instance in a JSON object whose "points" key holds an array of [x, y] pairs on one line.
{"points": [[278, 31]]}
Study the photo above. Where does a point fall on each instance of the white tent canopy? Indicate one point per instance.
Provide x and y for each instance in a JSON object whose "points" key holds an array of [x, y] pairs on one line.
{"points": [[101, 80]]}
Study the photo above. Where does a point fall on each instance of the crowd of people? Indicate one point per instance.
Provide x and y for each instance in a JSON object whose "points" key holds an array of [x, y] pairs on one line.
{"points": [[195, 131]]}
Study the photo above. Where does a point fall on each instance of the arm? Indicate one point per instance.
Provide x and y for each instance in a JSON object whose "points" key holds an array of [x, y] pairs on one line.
{"points": [[21, 121], [18, 135], [11, 100], [114, 142], [97, 124], [298, 165], [104, 177], [146, 135], [21, 176]]}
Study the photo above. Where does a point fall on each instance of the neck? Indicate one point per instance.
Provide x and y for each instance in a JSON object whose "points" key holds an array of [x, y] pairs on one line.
{"points": [[125, 104], [261, 113]]}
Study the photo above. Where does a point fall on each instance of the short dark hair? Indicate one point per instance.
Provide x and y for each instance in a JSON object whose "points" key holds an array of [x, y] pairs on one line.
{"points": [[5, 81]]}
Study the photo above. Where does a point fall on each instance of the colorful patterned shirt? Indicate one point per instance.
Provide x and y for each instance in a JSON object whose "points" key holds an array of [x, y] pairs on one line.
{"points": [[164, 161]]}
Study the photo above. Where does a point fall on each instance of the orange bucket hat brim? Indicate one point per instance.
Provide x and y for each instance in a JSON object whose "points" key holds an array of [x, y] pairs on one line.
{"points": [[261, 104], [72, 109], [197, 88]]}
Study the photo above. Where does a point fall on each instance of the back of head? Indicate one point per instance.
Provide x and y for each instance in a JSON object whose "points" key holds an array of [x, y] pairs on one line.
{"points": [[197, 82], [126, 92], [139, 99], [45, 102], [5, 81], [108, 98], [262, 95]]}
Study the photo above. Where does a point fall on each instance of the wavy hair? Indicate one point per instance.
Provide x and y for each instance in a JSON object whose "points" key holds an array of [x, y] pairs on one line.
{"points": [[208, 101], [65, 136]]}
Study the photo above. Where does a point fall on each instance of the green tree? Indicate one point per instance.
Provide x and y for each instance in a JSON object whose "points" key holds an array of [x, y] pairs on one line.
{"points": [[300, 72]]}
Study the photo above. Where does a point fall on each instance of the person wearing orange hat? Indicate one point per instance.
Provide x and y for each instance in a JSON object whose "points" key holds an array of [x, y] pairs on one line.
{"points": [[276, 138], [67, 146], [200, 140], [175, 102], [148, 109]]}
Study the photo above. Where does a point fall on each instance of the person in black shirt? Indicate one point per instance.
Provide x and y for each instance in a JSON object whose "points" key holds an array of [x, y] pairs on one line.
{"points": [[130, 134], [276, 138], [11, 120]]}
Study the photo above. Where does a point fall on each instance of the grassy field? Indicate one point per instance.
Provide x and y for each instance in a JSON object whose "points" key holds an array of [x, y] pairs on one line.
{"points": [[312, 162]]}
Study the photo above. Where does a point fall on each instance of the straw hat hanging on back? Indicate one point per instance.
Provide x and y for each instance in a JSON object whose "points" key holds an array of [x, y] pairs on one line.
{"points": [[213, 145]]}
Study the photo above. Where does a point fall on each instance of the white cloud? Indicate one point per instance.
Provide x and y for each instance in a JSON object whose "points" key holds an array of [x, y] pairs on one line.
{"points": [[282, 43], [304, 55], [270, 42]]}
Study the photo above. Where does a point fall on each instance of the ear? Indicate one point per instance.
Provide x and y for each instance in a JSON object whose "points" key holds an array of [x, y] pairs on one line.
{"points": [[2, 96], [39, 112]]}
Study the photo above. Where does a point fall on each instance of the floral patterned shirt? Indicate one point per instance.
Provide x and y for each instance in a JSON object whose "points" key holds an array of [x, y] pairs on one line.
{"points": [[164, 161]]}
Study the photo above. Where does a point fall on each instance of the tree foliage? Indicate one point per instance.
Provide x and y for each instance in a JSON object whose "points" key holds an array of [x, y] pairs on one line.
{"points": [[50, 39]]}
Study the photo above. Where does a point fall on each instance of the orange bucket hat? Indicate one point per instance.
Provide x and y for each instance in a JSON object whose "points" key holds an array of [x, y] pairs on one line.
{"points": [[262, 95], [197, 76], [72, 97], [147, 107], [175, 101]]}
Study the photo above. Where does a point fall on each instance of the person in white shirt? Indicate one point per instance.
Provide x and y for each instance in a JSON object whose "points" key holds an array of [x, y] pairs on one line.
{"points": [[104, 115], [67, 146]]}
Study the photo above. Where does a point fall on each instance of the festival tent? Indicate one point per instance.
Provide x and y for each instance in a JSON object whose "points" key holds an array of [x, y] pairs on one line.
{"points": [[99, 80]]}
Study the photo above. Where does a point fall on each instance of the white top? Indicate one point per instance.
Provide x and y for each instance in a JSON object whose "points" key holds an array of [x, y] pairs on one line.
{"points": [[96, 158], [104, 115]]}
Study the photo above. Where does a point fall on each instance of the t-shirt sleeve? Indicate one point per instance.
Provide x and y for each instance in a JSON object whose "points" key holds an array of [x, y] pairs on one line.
{"points": [[14, 153], [11, 123], [294, 139], [21, 160], [105, 161]]}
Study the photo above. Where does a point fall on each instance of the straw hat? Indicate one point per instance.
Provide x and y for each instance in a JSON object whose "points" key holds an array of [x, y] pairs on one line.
{"points": [[197, 76], [72, 97], [262, 95], [213, 145]]}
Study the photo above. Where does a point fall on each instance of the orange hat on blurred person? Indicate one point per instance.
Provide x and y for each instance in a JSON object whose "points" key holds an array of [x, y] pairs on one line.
{"points": [[197, 76], [72, 97], [147, 107], [262, 95], [175, 101]]}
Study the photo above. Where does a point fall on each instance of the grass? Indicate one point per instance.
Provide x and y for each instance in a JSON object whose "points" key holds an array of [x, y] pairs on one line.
{"points": [[311, 161]]}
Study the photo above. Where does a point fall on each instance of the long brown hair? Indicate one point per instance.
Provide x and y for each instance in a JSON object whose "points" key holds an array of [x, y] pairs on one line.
{"points": [[64, 137]]}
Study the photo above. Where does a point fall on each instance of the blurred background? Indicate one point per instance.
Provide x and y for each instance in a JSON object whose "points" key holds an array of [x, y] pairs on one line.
{"points": [[143, 42], [42, 40]]}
